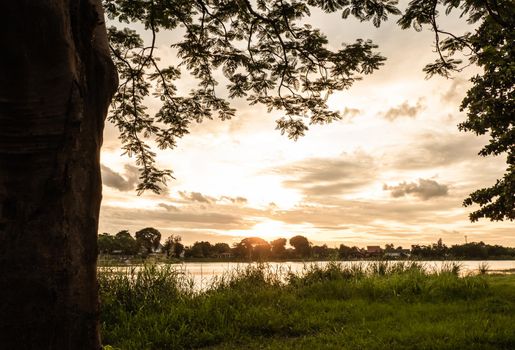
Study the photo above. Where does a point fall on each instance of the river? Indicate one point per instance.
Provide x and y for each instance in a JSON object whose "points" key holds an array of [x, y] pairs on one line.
{"points": [[204, 273]]}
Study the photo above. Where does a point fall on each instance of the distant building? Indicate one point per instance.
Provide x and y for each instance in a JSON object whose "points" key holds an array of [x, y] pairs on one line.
{"points": [[405, 252], [373, 250], [392, 253], [397, 253]]}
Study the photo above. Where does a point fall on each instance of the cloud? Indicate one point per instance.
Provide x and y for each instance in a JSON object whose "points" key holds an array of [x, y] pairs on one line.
{"points": [[425, 189], [362, 216], [191, 236], [334, 188], [113, 179], [432, 150], [202, 198], [404, 110], [234, 200], [169, 207], [372, 216], [129, 218], [329, 176], [195, 197], [456, 91]]}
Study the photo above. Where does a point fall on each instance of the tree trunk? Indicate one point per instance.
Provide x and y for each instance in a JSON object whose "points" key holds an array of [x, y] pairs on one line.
{"points": [[56, 82]]}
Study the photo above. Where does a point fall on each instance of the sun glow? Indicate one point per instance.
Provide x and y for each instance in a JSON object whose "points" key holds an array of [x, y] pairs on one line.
{"points": [[270, 229]]}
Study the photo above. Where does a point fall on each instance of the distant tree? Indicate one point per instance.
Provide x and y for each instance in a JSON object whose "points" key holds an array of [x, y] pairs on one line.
{"points": [[240, 251], [202, 249], [126, 243], [490, 103], [439, 249], [168, 246], [418, 251], [471, 250], [322, 251], [436, 250], [123, 233], [261, 251], [344, 252], [178, 249], [251, 248], [302, 246], [148, 238], [173, 246], [497, 251], [221, 248], [278, 247], [106, 243]]}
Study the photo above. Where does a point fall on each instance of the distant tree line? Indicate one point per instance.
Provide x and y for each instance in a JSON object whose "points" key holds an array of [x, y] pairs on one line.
{"points": [[148, 241], [145, 241], [473, 250]]}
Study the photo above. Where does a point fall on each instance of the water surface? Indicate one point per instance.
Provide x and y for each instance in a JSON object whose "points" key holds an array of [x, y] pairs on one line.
{"points": [[203, 274]]}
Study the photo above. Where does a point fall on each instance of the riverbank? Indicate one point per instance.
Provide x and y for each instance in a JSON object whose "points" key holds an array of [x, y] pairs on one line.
{"points": [[382, 306], [116, 260]]}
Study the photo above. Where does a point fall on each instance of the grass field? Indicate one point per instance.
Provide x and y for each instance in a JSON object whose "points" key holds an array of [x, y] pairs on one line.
{"points": [[383, 306]]}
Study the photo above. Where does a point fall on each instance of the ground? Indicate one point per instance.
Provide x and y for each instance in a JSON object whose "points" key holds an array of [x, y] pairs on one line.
{"points": [[329, 308]]}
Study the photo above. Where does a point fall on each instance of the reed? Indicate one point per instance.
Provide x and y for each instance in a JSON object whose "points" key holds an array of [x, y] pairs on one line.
{"points": [[336, 305]]}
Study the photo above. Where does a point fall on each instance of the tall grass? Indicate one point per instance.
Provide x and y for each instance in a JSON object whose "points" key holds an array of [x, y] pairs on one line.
{"points": [[158, 307]]}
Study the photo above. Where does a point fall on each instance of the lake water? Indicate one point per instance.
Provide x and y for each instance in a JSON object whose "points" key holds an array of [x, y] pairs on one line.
{"points": [[203, 274]]}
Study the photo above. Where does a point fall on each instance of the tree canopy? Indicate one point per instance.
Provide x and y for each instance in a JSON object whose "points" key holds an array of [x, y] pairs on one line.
{"points": [[490, 103], [269, 55], [301, 244], [262, 48], [59, 80], [148, 238]]}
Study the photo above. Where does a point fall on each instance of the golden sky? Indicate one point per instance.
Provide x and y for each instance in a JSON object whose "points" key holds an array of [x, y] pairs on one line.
{"points": [[394, 170]]}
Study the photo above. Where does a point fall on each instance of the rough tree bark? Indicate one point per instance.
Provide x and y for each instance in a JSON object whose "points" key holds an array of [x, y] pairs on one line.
{"points": [[56, 82]]}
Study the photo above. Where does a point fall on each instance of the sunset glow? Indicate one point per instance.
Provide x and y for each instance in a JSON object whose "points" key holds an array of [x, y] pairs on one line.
{"points": [[395, 169]]}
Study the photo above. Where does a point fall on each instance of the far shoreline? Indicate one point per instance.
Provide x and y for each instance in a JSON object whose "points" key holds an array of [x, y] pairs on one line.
{"points": [[117, 260]]}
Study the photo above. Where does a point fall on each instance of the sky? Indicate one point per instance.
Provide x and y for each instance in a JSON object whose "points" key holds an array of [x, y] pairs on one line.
{"points": [[395, 169]]}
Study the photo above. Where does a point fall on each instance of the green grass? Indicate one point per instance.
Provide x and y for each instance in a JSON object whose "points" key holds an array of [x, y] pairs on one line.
{"points": [[384, 306]]}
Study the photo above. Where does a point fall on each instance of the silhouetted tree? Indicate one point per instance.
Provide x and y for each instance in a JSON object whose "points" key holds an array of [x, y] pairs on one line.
{"points": [[251, 248], [471, 250], [323, 251], [126, 243], [178, 249], [106, 243], [278, 247], [121, 243], [173, 246], [148, 238], [57, 82], [440, 249], [344, 252], [221, 248], [168, 245], [302, 246], [491, 100], [261, 251], [200, 249]]}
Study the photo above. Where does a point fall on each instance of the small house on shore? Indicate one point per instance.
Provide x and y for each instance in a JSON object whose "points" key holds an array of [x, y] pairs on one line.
{"points": [[373, 251]]}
